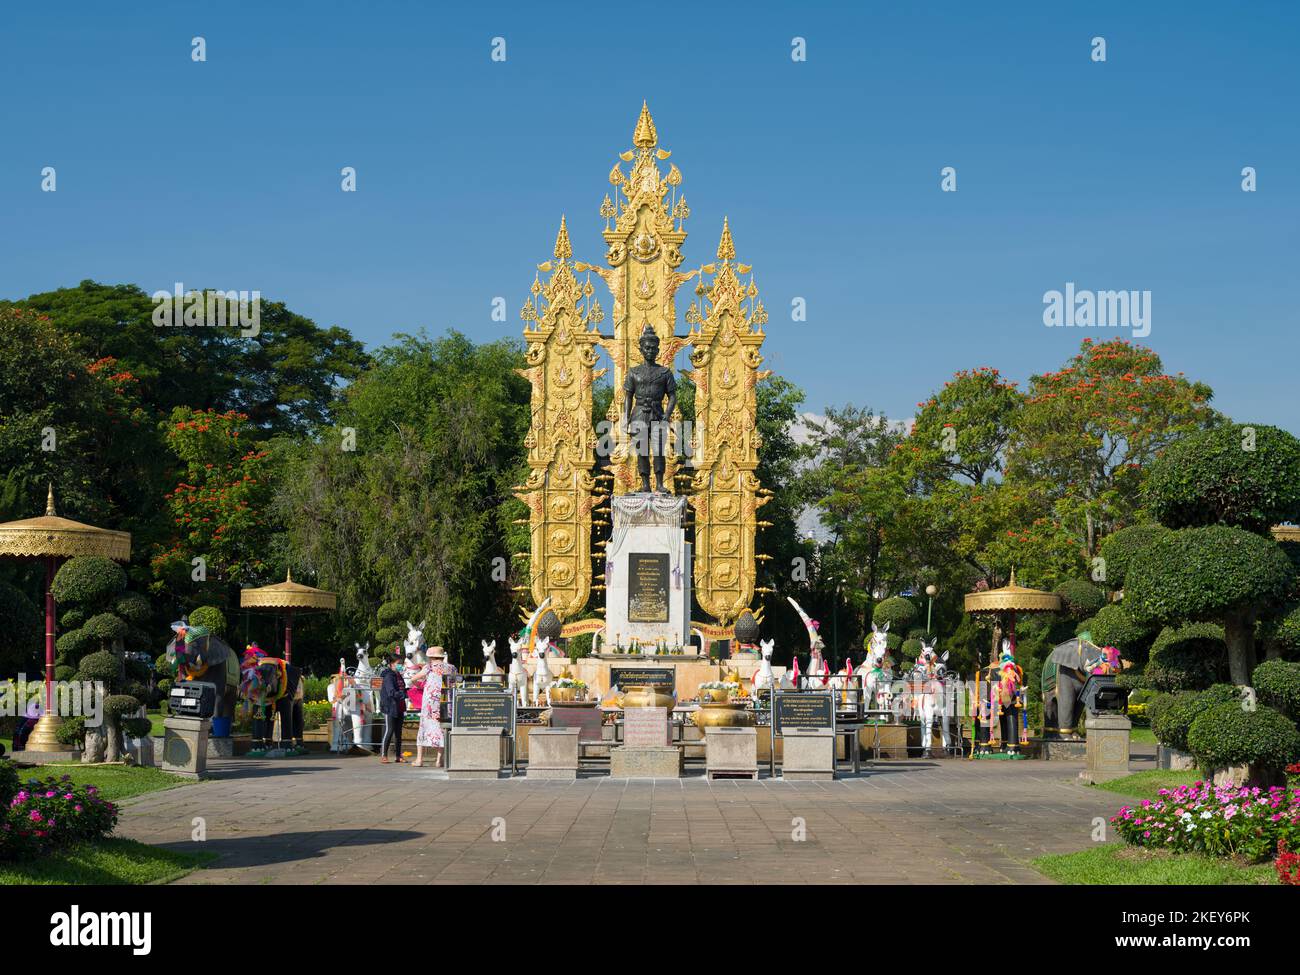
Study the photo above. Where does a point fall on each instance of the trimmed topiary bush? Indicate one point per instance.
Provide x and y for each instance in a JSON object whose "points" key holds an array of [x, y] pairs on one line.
{"points": [[1226, 734], [211, 617], [101, 665], [1277, 684], [1080, 598], [1115, 626], [1243, 475], [88, 579], [899, 612], [1187, 658], [1173, 719], [105, 627], [134, 608], [1118, 549], [1216, 574]]}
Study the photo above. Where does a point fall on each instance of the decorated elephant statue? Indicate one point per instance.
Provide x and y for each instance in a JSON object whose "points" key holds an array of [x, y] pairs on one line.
{"points": [[271, 687], [197, 655], [1065, 671]]}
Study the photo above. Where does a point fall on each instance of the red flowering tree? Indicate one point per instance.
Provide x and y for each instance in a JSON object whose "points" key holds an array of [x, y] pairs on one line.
{"points": [[1088, 430], [218, 507]]}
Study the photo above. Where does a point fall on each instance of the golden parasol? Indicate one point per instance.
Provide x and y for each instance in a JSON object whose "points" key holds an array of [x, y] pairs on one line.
{"points": [[52, 538], [1010, 600], [1286, 533], [291, 597]]}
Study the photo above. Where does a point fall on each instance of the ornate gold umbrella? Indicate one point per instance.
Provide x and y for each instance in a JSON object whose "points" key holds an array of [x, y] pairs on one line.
{"points": [[1286, 533], [292, 597], [53, 538], [1008, 601]]}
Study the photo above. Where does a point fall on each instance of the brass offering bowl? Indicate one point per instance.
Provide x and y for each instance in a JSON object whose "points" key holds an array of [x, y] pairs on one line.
{"points": [[567, 695], [715, 695], [723, 715], [646, 696]]}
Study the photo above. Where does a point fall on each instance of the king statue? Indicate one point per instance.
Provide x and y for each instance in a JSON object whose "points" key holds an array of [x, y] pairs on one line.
{"points": [[645, 389]]}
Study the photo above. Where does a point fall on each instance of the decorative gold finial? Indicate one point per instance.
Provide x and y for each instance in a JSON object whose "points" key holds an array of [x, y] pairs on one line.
{"points": [[288, 574], [726, 248], [645, 136], [1013, 576], [49, 502], [563, 249]]}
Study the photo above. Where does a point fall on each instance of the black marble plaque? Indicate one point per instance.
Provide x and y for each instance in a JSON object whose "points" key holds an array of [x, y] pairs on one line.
{"points": [[804, 711], [647, 587], [664, 678], [482, 709]]}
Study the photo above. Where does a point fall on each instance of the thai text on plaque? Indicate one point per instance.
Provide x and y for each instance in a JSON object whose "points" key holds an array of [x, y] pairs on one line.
{"points": [[647, 592]]}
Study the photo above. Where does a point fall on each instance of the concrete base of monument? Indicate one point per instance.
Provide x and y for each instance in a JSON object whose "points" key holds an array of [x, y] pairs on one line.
{"points": [[31, 757], [808, 755], [645, 762], [476, 753], [185, 746], [553, 753], [1107, 748], [731, 753], [1060, 749]]}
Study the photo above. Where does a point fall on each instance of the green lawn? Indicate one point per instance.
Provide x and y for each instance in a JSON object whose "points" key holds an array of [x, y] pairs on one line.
{"points": [[1147, 785], [1115, 864], [115, 782], [110, 861], [1142, 736]]}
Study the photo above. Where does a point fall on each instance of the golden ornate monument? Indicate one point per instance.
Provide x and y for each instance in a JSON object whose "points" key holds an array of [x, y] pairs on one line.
{"points": [[644, 236]]}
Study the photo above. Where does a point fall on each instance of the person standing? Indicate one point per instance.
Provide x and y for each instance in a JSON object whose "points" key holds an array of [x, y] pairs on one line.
{"points": [[392, 704], [430, 733]]}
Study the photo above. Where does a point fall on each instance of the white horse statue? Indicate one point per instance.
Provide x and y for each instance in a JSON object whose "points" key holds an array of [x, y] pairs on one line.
{"points": [[931, 700], [491, 671], [877, 672], [765, 678], [542, 675], [353, 701], [818, 669], [413, 648], [517, 677]]}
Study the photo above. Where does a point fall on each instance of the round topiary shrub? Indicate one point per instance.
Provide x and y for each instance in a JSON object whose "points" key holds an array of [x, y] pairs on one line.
{"points": [[1244, 475], [911, 648], [65, 672], [1173, 719], [1227, 734], [1187, 658], [72, 618], [390, 612], [74, 645], [101, 665], [121, 705], [1283, 631], [210, 617], [898, 611], [133, 607], [1277, 683], [1118, 549], [105, 627], [136, 727], [1115, 626], [1080, 598], [88, 579], [71, 732], [164, 667]]}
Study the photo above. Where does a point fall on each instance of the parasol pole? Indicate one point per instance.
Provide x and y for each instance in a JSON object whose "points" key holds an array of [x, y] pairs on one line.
{"points": [[288, 636], [50, 564]]}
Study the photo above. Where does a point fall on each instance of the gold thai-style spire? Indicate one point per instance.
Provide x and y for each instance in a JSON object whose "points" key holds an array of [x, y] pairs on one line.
{"points": [[645, 136], [49, 502], [726, 248], [563, 249]]}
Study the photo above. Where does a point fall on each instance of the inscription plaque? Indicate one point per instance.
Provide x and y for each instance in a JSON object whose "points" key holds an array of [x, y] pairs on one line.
{"points": [[664, 678], [804, 712], [482, 709], [647, 587]]}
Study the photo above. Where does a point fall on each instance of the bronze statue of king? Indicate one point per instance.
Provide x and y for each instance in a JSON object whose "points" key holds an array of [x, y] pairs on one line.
{"points": [[644, 391]]}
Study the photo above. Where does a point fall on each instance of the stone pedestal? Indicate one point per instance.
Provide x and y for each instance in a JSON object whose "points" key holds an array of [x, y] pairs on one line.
{"points": [[1060, 749], [185, 746], [553, 753], [731, 752], [1174, 760], [808, 755], [647, 573], [645, 762], [1107, 749], [475, 753], [141, 751]]}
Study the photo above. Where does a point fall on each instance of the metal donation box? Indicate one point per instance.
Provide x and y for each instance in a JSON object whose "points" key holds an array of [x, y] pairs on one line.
{"points": [[193, 699]]}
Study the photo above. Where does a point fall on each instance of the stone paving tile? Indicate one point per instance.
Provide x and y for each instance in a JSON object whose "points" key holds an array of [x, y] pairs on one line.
{"points": [[329, 820]]}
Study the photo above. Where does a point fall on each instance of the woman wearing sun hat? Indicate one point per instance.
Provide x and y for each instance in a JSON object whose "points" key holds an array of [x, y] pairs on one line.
{"points": [[430, 733]]}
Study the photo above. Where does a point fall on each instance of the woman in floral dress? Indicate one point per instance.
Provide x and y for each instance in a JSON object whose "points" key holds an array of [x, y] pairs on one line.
{"points": [[430, 733]]}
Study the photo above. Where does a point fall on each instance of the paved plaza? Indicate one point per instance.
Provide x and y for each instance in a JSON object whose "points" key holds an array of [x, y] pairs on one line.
{"points": [[325, 819]]}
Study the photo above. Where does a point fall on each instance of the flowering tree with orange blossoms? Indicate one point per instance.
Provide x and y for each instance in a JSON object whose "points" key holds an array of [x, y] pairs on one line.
{"points": [[1087, 432], [218, 507]]}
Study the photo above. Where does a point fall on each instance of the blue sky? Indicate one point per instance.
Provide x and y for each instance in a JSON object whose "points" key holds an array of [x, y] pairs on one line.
{"points": [[1119, 175]]}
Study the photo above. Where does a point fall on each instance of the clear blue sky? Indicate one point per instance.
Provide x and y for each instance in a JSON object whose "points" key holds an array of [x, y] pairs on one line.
{"points": [[1122, 175]]}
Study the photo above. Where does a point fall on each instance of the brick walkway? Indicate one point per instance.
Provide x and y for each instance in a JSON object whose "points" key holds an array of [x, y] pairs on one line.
{"points": [[351, 820]]}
